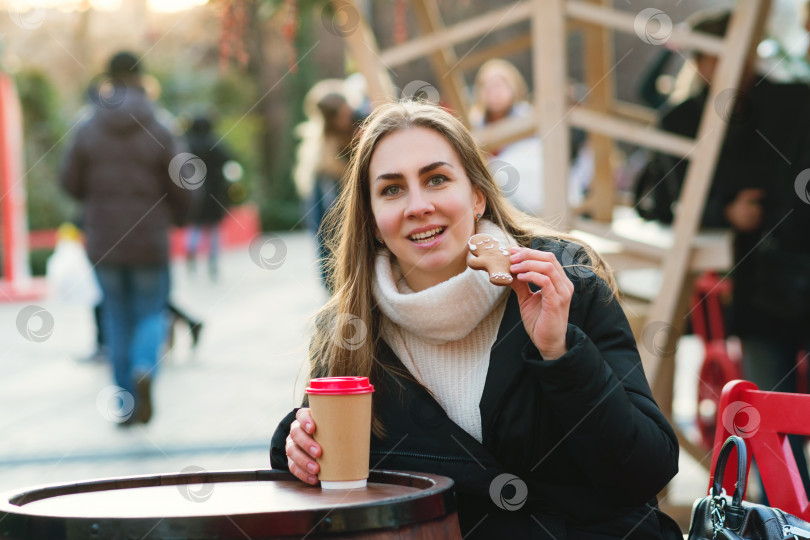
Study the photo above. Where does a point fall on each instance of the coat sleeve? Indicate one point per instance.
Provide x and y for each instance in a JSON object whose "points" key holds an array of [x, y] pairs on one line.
{"points": [[178, 198], [72, 173], [278, 455], [615, 431]]}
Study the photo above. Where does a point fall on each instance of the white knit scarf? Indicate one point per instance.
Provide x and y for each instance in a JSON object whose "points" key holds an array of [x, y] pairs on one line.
{"points": [[445, 312], [443, 335]]}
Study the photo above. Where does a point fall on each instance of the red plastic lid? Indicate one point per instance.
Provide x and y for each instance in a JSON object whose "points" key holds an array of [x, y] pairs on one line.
{"points": [[340, 386]]}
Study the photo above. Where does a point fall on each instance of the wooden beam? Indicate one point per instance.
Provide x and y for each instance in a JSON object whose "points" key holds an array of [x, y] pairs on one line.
{"points": [[698, 178], [625, 21], [363, 49], [501, 50], [632, 132], [598, 45], [711, 250], [636, 113], [458, 33], [749, 74], [502, 132], [550, 81], [443, 61]]}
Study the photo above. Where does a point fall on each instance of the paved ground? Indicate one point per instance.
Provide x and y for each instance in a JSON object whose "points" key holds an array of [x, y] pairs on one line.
{"points": [[216, 409]]}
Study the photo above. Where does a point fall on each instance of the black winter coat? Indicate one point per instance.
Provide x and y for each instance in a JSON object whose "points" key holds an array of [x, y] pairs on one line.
{"points": [[767, 146], [582, 433], [772, 264], [212, 199], [118, 166]]}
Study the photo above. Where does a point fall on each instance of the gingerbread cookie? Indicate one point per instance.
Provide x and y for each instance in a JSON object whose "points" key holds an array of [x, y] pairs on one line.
{"points": [[487, 254]]}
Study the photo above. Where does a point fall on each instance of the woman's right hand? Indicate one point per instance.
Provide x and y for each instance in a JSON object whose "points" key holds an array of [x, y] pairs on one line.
{"points": [[302, 449]]}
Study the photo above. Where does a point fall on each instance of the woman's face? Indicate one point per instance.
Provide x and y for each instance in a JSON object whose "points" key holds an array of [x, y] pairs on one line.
{"points": [[424, 205], [498, 95]]}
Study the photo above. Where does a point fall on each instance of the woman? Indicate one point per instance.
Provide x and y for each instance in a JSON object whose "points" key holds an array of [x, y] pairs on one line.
{"points": [[500, 92], [322, 155], [475, 381]]}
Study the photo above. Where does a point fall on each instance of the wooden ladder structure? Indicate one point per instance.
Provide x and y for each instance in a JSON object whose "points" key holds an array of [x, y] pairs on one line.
{"points": [[678, 251]]}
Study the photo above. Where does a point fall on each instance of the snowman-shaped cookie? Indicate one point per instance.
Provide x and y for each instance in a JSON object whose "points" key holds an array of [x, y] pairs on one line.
{"points": [[487, 254]]}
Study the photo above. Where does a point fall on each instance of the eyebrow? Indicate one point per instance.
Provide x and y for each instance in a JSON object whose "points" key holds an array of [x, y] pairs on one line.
{"points": [[422, 170]]}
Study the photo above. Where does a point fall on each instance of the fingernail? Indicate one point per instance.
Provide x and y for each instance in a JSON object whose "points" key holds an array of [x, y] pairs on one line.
{"points": [[312, 479], [308, 427], [313, 450], [514, 257], [311, 467]]}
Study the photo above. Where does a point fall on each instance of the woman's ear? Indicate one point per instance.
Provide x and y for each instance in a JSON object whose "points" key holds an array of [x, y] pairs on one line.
{"points": [[479, 202]]}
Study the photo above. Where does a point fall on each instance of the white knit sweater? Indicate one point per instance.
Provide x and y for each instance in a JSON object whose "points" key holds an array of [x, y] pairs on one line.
{"points": [[444, 334]]}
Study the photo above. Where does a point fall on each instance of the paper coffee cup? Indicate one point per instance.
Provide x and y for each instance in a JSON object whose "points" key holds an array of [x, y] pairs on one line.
{"points": [[341, 409]]}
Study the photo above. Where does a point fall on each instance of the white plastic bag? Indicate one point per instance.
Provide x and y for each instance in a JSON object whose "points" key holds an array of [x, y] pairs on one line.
{"points": [[70, 275]]}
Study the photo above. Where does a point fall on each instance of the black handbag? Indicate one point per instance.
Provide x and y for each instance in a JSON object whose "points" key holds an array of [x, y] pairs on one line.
{"points": [[716, 517]]}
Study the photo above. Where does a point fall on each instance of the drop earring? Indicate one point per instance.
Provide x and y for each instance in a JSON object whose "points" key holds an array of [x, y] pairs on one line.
{"points": [[477, 217]]}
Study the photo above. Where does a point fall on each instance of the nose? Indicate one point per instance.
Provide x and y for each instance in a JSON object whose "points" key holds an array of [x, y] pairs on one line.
{"points": [[418, 204]]}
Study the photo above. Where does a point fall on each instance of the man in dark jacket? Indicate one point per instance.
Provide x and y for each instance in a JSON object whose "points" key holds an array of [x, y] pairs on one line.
{"points": [[118, 166]]}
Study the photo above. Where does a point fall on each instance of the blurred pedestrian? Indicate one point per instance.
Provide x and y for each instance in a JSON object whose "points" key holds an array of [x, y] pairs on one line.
{"points": [[499, 93], [770, 310], [210, 200], [323, 155], [118, 166], [659, 185], [754, 193]]}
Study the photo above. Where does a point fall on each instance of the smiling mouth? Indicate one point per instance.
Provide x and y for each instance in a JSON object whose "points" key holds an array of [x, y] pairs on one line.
{"points": [[427, 236]]}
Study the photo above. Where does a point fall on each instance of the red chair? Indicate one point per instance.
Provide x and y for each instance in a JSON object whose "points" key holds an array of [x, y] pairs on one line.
{"points": [[763, 419], [722, 360]]}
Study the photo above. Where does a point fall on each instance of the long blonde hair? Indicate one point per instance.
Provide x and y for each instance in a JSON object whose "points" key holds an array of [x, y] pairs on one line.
{"points": [[496, 67], [348, 327]]}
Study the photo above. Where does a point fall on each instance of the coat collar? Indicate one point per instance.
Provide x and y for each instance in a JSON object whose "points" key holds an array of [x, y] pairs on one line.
{"points": [[505, 363]]}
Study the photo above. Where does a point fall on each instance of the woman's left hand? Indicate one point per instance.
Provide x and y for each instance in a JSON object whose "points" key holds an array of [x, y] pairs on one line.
{"points": [[545, 312]]}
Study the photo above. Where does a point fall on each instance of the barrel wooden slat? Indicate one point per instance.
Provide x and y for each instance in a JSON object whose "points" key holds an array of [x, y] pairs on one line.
{"points": [[233, 504]]}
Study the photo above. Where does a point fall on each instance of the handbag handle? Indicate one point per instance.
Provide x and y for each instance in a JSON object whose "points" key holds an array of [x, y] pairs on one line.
{"points": [[720, 469]]}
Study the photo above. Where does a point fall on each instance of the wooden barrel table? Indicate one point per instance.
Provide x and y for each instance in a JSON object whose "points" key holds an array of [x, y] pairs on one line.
{"points": [[261, 504]]}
